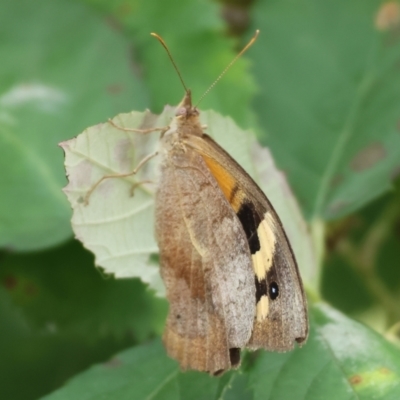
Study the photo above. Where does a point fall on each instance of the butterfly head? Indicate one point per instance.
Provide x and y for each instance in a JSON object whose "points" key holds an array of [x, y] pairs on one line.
{"points": [[185, 109], [187, 117]]}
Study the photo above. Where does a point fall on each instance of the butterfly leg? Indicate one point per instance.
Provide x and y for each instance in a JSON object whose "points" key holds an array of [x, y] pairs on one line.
{"points": [[142, 131], [137, 184], [140, 165]]}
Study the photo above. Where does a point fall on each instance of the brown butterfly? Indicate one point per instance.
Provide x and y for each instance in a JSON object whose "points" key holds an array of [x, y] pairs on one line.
{"points": [[231, 277]]}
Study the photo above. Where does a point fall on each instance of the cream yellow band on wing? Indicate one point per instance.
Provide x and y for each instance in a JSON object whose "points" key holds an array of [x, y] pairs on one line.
{"points": [[262, 308], [262, 260]]}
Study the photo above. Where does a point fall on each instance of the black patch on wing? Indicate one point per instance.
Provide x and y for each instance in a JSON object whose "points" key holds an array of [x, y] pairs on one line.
{"points": [[261, 289], [250, 221], [234, 355]]}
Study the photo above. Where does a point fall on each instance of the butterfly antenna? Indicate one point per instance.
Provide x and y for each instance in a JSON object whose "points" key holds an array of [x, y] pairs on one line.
{"points": [[252, 40], [161, 40]]}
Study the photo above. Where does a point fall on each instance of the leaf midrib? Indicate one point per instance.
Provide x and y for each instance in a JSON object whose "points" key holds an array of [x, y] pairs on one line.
{"points": [[345, 135]]}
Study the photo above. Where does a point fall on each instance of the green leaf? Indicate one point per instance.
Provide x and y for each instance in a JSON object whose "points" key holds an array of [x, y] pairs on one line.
{"points": [[194, 33], [118, 228], [59, 316], [329, 98], [60, 291], [363, 263], [145, 372], [342, 360], [48, 92]]}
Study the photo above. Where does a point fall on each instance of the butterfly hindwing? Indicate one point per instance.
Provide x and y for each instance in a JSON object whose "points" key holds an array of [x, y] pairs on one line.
{"points": [[205, 264]]}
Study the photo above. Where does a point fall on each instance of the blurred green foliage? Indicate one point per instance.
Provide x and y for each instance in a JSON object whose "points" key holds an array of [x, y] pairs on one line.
{"points": [[321, 88]]}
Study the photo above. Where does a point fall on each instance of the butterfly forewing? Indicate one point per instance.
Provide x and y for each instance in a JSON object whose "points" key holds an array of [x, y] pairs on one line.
{"points": [[280, 303]]}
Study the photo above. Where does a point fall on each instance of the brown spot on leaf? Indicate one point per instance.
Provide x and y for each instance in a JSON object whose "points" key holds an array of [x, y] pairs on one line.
{"points": [[10, 282], [149, 121], [123, 153], [355, 379], [384, 371], [368, 157], [114, 89], [388, 16], [81, 175], [237, 17]]}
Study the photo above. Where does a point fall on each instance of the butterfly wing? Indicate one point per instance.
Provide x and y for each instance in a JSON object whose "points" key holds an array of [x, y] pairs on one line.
{"points": [[281, 307], [205, 265]]}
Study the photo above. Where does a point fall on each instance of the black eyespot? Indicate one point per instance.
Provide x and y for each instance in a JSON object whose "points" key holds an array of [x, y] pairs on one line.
{"points": [[178, 316], [273, 290]]}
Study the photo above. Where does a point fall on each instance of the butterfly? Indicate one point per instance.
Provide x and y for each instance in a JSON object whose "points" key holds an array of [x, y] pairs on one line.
{"points": [[231, 277]]}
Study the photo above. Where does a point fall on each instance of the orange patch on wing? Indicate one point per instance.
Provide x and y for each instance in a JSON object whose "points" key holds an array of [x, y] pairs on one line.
{"points": [[226, 182]]}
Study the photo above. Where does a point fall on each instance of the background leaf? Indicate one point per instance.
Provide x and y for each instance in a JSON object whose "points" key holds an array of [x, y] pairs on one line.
{"points": [[59, 314], [49, 92], [336, 363], [329, 99], [198, 47], [342, 360]]}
